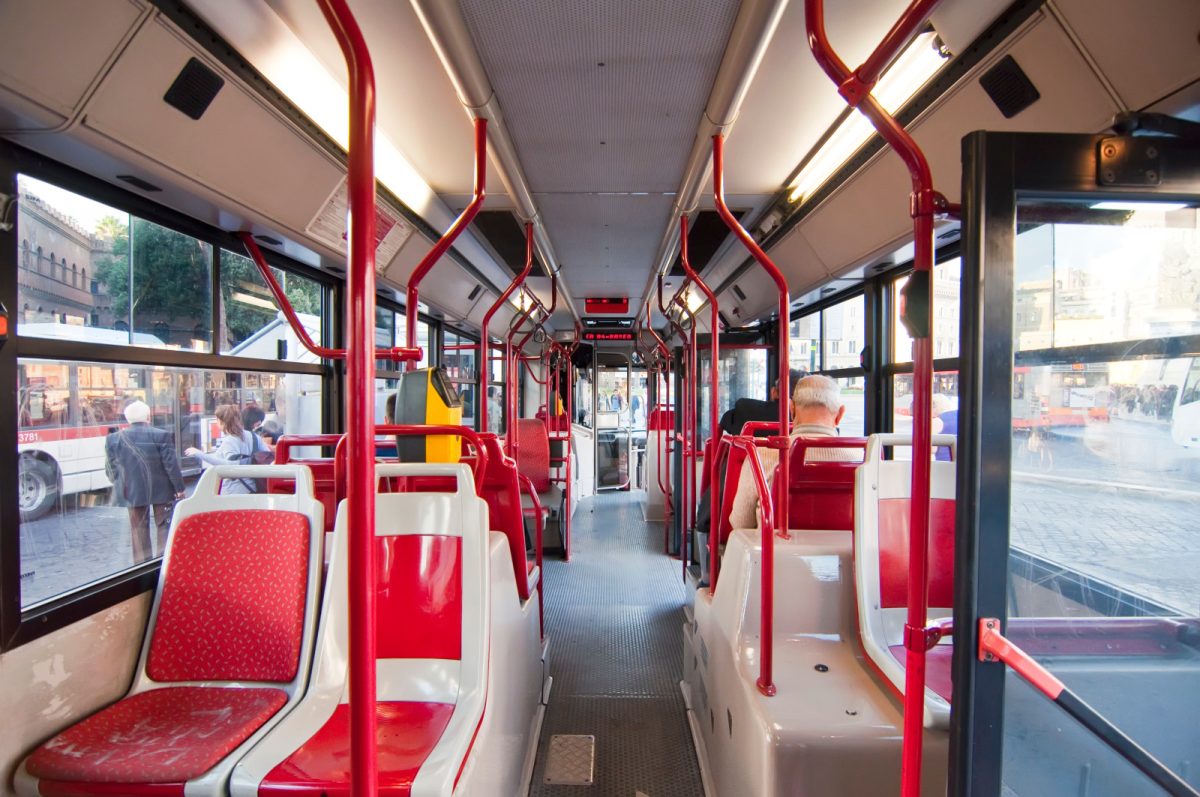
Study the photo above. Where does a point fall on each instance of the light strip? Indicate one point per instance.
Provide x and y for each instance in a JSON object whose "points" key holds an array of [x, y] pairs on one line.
{"points": [[911, 70], [1161, 207]]}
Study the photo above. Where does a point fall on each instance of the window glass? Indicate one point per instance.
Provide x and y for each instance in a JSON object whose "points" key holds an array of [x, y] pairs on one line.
{"points": [[742, 373], [85, 267], [944, 407], [804, 347], [854, 421], [251, 323], [842, 326], [401, 337], [459, 356], [73, 440], [947, 279], [1074, 285]]}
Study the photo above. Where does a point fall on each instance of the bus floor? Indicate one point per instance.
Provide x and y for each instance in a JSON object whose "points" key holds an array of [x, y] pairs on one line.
{"points": [[614, 617]]}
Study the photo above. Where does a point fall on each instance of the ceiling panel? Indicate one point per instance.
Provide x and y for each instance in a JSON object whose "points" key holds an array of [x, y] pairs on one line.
{"points": [[604, 95], [418, 107], [605, 242], [791, 102]]}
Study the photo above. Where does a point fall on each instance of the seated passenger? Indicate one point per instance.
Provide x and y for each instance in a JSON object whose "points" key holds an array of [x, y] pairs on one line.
{"points": [[743, 411], [817, 409]]}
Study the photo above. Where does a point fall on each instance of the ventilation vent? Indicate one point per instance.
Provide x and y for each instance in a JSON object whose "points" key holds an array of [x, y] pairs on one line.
{"points": [[738, 292], [269, 240], [705, 236], [194, 90], [138, 182], [1009, 87], [505, 234], [474, 293]]}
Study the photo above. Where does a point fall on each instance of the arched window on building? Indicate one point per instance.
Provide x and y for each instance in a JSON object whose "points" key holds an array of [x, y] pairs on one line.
{"points": [[25, 254], [39, 260], [74, 276]]}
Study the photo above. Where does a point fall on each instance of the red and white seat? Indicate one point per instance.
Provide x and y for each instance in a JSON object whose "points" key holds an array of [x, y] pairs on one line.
{"points": [[433, 627], [226, 656], [659, 425], [883, 496], [533, 462]]}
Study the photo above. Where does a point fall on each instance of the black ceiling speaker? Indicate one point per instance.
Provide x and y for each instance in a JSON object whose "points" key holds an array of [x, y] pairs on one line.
{"points": [[1009, 87], [194, 89]]}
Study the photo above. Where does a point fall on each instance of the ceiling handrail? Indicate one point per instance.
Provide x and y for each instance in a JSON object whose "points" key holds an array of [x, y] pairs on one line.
{"points": [[431, 258], [924, 203], [485, 338]]}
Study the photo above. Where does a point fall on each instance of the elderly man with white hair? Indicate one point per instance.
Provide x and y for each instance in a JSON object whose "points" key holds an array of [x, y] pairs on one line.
{"points": [[817, 410], [141, 462]]}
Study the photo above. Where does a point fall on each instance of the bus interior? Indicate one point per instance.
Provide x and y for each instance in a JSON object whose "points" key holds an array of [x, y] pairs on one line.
{"points": [[632, 398]]}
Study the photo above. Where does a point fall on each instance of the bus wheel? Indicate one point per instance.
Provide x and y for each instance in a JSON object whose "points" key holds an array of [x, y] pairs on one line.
{"points": [[38, 488]]}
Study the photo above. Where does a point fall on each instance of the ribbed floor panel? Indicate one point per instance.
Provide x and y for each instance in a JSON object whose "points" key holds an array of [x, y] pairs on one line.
{"points": [[614, 616]]}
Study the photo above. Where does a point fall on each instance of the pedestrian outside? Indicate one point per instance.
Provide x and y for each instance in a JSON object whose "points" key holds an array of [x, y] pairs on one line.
{"points": [[142, 464]]}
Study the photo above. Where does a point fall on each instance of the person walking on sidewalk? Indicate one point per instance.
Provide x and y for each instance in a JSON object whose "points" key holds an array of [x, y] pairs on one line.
{"points": [[144, 469]]}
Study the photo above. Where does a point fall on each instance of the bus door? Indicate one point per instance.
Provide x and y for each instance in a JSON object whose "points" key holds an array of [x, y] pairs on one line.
{"points": [[620, 412], [1078, 535]]}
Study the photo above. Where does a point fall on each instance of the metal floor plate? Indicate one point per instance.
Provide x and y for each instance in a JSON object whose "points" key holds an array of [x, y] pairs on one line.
{"points": [[571, 760], [614, 616]]}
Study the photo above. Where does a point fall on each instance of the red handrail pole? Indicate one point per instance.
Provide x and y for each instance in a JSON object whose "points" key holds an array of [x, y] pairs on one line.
{"points": [[785, 400], [394, 353], [713, 411], [923, 204], [681, 504], [766, 682], [664, 439], [285, 305], [485, 343], [360, 389], [439, 249], [565, 524]]}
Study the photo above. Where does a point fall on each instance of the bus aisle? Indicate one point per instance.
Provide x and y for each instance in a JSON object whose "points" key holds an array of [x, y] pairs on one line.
{"points": [[613, 617]]}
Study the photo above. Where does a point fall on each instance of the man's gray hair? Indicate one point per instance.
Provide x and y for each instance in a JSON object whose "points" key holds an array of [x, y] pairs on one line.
{"points": [[818, 391]]}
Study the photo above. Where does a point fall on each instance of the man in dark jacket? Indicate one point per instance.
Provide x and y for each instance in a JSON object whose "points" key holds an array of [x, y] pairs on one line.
{"points": [[144, 469]]}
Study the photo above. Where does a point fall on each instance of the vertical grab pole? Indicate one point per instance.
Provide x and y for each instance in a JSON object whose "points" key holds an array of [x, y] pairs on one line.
{"points": [[855, 87], [485, 345], [360, 410], [780, 520], [693, 431], [682, 449], [439, 249], [713, 414], [664, 439]]}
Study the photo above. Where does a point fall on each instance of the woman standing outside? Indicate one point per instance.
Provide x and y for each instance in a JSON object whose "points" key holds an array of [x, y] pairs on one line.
{"points": [[236, 447]]}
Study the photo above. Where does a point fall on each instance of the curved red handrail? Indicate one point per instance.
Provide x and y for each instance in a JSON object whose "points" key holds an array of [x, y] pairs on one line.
{"points": [[924, 202], [485, 338], [285, 444], [765, 683], [394, 353], [539, 525], [713, 411], [449, 237], [478, 467]]}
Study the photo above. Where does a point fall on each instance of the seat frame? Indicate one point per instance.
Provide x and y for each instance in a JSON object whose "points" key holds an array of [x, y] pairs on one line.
{"points": [[207, 498], [881, 628], [460, 682]]}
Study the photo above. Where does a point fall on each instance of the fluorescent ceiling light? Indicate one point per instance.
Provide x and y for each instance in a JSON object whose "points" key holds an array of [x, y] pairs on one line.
{"points": [[911, 70], [694, 299], [1161, 207]]}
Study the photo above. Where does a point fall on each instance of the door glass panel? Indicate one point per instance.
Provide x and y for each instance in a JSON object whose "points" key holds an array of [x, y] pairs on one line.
{"points": [[614, 426], [1105, 491]]}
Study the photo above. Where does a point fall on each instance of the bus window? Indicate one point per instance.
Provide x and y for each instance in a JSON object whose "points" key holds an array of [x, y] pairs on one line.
{"points": [[69, 410]]}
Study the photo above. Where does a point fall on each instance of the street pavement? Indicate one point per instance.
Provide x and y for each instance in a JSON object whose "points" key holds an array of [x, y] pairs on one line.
{"points": [[1116, 501]]}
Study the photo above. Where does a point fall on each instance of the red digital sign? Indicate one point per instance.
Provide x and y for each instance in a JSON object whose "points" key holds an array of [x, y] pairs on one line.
{"points": [[610, 305], [607, 336]]}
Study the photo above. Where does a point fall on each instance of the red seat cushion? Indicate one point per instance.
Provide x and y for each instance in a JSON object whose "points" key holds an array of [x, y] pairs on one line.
{"points": [[232, 604], [937, 668], [405, 735], [167, 735], [533, 452]]}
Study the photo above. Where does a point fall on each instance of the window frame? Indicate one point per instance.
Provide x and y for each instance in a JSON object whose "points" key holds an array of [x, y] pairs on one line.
{"points": [[17, 625]]}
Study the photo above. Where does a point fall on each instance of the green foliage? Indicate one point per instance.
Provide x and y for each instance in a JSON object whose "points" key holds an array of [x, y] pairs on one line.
{"points": [[171, 282]]}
